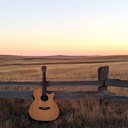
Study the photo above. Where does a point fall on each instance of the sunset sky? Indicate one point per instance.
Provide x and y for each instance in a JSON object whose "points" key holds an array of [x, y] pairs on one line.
{"points": [[64, 27]]}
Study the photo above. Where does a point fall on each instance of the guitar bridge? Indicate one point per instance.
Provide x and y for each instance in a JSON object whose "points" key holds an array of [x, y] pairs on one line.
{"points": [[44, 108]]}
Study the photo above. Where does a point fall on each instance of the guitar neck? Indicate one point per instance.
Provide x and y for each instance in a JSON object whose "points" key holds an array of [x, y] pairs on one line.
{"points": [[44, 81]]}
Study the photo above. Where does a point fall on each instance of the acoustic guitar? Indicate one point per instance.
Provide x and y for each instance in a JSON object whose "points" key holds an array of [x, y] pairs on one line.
{"points": [[43, 108]]}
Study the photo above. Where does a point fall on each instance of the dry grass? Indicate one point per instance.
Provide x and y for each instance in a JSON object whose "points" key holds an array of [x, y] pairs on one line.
{"points": [[73, 114], [83, 113]]}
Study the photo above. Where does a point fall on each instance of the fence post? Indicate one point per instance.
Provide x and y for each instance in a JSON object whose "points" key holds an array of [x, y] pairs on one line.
{"points": [[102, 76]]}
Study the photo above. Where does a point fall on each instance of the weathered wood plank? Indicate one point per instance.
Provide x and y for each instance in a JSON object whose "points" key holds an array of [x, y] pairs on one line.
{"points": [[103, 73], [121, 99], [58, 94], [78, 95], [108, 97], [16, 94], [110, 82], [116, 83], [75, 83], [53, 83], [20, 83], [103, 76]]}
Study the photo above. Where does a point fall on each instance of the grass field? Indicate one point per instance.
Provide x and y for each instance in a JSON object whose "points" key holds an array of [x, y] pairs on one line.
{"points": [[83, 113]]}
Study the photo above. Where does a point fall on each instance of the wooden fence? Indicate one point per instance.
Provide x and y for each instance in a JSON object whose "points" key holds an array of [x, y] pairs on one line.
{"points": [[102, 84]]}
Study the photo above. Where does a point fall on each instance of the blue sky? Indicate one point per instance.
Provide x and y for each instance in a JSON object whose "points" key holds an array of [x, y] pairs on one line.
{"points": [[82, 27]]}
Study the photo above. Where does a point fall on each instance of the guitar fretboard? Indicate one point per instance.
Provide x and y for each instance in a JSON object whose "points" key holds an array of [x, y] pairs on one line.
{"points": [[44, 81]]}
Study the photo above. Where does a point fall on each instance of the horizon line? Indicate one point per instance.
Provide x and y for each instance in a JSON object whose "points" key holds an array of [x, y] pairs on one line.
{"points": [[61, 55]]}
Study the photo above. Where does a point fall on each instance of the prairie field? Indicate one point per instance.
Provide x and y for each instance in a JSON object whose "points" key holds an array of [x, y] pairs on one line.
{"points": [[82, 113]]}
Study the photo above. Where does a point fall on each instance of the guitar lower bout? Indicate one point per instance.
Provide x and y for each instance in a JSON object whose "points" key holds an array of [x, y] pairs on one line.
{"points": [[43, 110]]}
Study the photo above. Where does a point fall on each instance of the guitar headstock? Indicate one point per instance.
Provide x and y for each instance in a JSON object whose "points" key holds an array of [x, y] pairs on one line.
{"points": [[44, 68]]}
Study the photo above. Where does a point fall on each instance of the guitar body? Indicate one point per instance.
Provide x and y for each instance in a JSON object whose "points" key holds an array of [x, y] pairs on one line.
{"points": [[43, 110]]}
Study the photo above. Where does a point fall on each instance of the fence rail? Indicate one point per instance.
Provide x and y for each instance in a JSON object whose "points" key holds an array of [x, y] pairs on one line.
{"points": [[58, 94], [110, 82], [102, 83]]}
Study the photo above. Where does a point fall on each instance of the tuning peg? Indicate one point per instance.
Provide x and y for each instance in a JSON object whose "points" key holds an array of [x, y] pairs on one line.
{"points": [[44, 68]]}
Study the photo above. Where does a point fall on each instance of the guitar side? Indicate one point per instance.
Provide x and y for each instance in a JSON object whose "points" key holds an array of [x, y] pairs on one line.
{"points": [[43, 110]]}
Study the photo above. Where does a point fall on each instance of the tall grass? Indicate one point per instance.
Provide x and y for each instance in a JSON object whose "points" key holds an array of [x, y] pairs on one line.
{"points": [[82, 113]]}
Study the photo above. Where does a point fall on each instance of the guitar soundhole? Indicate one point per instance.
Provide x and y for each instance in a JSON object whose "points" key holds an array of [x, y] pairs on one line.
{"points": [[44, 97]]}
